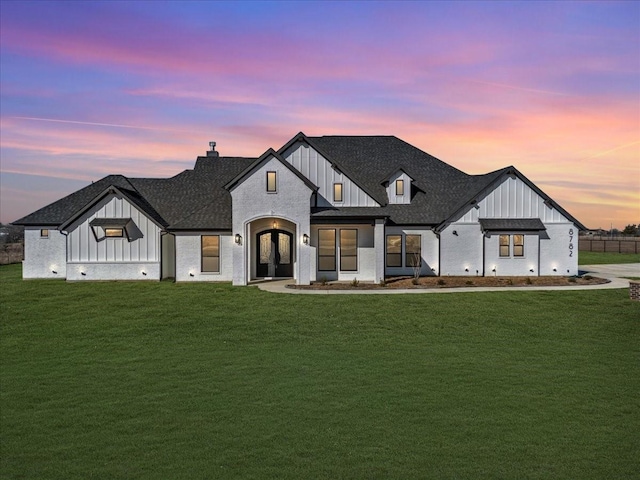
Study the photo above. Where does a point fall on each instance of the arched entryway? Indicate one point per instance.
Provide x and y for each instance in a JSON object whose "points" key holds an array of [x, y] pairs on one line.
{"points": [[274, 253]]}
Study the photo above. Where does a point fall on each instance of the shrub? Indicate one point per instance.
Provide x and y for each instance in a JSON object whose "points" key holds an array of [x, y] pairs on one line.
{"points": [[323, 281], [441, 282], [382, 282], [415, 281], [572, 279], [469, 282], [355, 282], [528, 281]]}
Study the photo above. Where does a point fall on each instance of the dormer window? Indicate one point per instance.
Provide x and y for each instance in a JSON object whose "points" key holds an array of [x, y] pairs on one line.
{"points": [[399, 187], [104, 228], [337, 192], [271, 182], [114, 232], [44, 233]]}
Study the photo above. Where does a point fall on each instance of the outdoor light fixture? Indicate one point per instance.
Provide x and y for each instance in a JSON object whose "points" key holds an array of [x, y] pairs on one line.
{"points": [[54, 272], [144, 273], [494, 269], [531, 270], [275, 225], [466, 269], [238, 238], [83, 274], [555, 269], [455, 232], [305, 239], [191, 274]]}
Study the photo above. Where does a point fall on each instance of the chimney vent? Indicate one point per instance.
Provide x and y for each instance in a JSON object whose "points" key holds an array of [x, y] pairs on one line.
{"points": [[212, 152]]}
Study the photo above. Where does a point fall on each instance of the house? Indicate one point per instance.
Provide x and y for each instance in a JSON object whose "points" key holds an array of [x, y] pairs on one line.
{"points": [[331, 207]]}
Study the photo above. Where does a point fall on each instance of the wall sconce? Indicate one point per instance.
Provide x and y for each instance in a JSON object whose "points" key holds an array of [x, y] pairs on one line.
{"points": [[238, 239], [144, 273], [455, 232], [531, 270], [305, 239], [275, 225], [494, 269], [191, 274], [555, 269], [466, 269], [83, 274]]}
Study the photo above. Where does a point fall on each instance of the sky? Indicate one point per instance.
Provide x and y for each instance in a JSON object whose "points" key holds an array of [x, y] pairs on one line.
{"points": [[89, 89]]}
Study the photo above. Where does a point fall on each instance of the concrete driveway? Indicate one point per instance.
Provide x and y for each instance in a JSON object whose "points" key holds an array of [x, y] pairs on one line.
{"points": [[612, 271]]}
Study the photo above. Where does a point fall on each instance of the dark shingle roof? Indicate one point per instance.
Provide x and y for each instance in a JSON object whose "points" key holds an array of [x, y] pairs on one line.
{"points": [[504, 224]]}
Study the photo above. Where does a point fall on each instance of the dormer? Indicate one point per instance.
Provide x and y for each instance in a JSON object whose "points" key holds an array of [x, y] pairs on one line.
{"points": [[398, 187]]}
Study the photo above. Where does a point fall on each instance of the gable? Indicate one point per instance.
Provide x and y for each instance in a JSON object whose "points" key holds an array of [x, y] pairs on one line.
{"points": [[314, 166]]}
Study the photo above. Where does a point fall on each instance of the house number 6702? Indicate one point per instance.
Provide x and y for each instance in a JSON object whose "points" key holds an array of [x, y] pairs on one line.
{"points": [[571, 242]]}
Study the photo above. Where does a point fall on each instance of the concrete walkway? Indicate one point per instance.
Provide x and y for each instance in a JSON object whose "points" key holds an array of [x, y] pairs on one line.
{"points": [[610, 272]]}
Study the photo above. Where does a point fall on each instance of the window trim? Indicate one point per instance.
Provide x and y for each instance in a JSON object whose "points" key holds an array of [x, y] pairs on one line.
{"points": [[44, 233], [399, 187], [355, 255], [275, 181], [511, 246], [507, 245], [335, 197], [516, 245], [203, 256], [327, 256], [406, 251], [386, 250]]}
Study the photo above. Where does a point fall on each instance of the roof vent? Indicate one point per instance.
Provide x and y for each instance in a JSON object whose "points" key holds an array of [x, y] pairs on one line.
{"points": [[212, 152]]}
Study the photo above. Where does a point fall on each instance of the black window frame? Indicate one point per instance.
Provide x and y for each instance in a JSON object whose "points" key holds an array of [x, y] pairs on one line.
{"points": [[320, 256], [275, 181], [389, 264], [203, 256], [44, 233], [353, 255]]}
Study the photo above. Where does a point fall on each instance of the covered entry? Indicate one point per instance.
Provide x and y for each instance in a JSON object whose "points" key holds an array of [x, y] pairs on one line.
{"points": [[274, 254]]}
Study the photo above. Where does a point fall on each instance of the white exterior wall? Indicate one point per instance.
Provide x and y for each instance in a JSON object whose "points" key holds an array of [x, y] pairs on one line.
{"points": [[318, 169], [83, 247], [189, 258], [168, 256], [559, 250], [525, 266], [429, 251], [113, 271], [461, 251], [391, 189], [43, 256], [291, 202], [367, 257]]}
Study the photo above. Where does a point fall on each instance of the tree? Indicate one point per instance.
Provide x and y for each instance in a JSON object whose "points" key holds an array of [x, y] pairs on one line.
{"points": [[630, 229]]}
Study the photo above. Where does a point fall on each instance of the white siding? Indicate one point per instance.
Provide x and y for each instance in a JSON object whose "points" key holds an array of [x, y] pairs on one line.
{"points": [[525, 266], [461, 250], [83, 247], [189, 258], [318, 169], [391, 188], [44, 255]]}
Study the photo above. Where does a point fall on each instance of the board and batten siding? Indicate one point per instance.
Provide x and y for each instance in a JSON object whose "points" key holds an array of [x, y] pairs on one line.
{"points": [[83, 247], [513, 199], [319, 171]]}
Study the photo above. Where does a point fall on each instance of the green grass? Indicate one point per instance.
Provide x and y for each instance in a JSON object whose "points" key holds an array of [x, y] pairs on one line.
{"points": [[162, 380], [603, 258]]}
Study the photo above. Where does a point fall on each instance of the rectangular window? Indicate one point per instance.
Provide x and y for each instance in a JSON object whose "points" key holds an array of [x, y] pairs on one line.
{"points": [[413, 255], [210, 253], [394, 250], [327, 250], [113, 232], [348, 250], [337, 192], [271, 182], [518, 245], [504, 245], [44, 232], [399, 187]]}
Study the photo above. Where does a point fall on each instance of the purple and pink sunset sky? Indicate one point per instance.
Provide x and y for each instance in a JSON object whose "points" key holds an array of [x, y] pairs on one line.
{"points": [[140, 88]]}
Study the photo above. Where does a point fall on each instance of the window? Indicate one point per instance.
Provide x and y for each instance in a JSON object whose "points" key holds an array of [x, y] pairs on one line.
{"points": [[327, 250], [271, 182], [113, 232], [413, 252], [399, 187], [504, 245], [44, 233], [210, 253], [394, 250], [518, 245], [348, 250], [337, 192]]}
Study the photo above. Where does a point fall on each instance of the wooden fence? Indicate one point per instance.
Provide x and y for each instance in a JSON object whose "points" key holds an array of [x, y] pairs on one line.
{"points": [[621, 245], [11, 253]]}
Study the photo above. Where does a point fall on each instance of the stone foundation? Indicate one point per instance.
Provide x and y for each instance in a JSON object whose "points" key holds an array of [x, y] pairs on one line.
{"points": [[634, 290]]}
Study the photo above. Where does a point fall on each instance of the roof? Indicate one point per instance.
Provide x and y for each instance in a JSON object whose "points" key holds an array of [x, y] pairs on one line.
{"points": [[508, 224], [200, 199]]}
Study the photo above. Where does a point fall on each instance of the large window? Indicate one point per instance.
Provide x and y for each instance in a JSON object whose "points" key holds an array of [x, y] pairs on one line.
{"points": [[507, 241], [271, 182], [337, 192], [348, 250], [327, 250], [210, 253], [413, 251], [399, 187], [394, 250]]}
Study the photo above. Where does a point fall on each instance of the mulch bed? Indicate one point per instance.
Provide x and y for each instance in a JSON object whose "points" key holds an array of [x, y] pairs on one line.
{"points": [[455, 282]]}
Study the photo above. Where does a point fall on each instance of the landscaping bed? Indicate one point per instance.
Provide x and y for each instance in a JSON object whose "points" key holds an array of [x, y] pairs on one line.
{"points": [[408, 282]]}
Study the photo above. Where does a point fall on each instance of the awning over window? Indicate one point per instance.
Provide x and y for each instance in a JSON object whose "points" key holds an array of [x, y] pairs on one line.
{"points": [[115, 227], [511, 224]]}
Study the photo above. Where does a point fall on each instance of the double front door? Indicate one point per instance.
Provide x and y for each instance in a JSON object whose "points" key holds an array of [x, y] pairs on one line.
{"points": [[274, 254]]}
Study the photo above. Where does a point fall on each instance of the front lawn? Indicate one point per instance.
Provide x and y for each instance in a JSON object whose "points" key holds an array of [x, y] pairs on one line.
{"points": [[603, 258], [161, 380]]}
